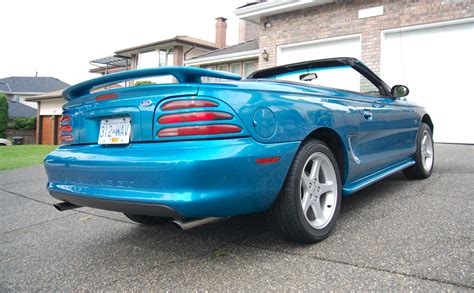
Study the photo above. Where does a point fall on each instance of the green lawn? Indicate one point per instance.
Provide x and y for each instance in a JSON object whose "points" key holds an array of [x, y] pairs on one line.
{"points": [[19, 156]]}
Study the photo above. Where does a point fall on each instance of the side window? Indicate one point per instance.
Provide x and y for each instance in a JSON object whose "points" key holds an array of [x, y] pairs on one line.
{"points": [[339, 77], [367, 87]]}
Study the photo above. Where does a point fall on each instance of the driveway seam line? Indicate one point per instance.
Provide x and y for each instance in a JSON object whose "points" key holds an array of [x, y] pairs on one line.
{"points": [[35, 224], [366, 267], [47, 203]]}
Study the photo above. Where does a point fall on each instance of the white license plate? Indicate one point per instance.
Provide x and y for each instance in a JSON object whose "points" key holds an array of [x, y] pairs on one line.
{"points": [[114, 131]]}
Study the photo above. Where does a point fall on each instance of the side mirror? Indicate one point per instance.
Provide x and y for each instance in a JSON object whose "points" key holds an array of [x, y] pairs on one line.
{"points": [[399, 91], [308, 76]]}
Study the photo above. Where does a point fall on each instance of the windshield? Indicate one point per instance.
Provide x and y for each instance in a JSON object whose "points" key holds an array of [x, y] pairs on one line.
{"points": [[341, 77]]}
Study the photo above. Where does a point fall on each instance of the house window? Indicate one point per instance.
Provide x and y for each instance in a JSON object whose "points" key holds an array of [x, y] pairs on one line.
{"points": [[249, 67], [236, 68], [170, 58], [163, 58], [223, 67], [209, 79]]}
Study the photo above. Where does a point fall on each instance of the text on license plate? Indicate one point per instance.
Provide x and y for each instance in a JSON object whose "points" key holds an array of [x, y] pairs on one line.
{"points": [[114, 131]]}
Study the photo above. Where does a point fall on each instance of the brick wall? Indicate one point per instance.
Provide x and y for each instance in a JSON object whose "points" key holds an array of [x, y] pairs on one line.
{"points": [[341, 18]]}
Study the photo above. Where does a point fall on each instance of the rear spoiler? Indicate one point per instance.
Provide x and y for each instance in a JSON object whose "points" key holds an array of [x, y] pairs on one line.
{"points": [[181, 73]]}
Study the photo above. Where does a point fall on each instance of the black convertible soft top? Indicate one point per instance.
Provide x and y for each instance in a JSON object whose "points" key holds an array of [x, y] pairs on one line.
{"points": [[321, 63], [272, 71]]}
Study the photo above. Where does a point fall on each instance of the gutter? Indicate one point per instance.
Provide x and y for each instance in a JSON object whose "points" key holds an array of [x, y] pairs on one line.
{"points": [[255, 12], [224, 58]]}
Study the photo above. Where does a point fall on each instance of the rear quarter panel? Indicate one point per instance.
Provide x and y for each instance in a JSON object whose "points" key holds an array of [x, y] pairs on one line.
{"points": [[299, 111]]}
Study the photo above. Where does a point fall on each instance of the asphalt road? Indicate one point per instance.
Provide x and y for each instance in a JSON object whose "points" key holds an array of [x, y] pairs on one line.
{"points": [[396, 234]]}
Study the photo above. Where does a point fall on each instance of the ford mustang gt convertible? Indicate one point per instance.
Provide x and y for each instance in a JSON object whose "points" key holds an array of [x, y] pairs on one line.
{"points": [[288, 140]]}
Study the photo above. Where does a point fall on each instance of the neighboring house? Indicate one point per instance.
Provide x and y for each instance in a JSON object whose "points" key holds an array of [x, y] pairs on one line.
{"points": [[18, 88], [241, 59], [111, 64], [169, 52], [48, 116], [50, 108], [426, 45], [19, 110]]}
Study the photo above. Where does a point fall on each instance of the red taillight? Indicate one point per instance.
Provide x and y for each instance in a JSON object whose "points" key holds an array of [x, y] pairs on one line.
{"points": [[65, 128], [193, 117], [199, 130], [66, 138], [270, 160], [186, 104], [106, 97], [65, 118]]}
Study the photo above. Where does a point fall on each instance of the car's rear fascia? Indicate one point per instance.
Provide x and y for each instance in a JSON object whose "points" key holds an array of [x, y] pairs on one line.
{"points": [[185, 179]]}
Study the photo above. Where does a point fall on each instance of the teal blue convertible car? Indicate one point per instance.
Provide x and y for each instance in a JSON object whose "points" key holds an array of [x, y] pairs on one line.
{"points": [[288, 140]]}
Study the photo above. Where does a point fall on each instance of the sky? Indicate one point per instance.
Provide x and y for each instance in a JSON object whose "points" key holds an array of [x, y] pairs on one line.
{"points": [[59, 37]]}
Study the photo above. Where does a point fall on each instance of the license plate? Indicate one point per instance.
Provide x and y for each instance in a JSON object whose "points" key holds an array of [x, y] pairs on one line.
{"points": [[114, 131]]}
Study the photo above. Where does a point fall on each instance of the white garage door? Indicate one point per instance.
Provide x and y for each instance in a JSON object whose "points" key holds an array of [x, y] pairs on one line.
{"points": [[348, 46], [436, 63]]}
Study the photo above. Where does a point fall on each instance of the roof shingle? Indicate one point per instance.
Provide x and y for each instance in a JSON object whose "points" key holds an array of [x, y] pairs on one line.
{"points": [[242, 47], [29, 84], [19, 110]]}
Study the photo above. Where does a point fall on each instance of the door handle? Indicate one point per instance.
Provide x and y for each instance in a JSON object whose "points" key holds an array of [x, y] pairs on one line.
{"points": [[367, 114]]}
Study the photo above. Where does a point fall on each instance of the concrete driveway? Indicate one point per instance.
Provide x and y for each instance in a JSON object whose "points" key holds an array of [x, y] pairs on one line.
{"points": [[397, 234]]}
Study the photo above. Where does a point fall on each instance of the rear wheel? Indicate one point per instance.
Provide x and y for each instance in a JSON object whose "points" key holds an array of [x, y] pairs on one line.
{"points": [[308, 205], [424, 156], [147, 220]]}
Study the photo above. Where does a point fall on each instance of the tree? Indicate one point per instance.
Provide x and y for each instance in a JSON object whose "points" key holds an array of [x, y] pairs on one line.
{"points": [[3, 115]]}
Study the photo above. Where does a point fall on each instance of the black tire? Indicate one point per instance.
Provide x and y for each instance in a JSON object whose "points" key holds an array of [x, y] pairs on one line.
{"points": [[147, 220], [286, 215], [418, 170]]}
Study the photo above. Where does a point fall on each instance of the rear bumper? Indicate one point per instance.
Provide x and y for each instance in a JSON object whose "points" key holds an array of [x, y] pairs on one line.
{"points": [[183, 179]]}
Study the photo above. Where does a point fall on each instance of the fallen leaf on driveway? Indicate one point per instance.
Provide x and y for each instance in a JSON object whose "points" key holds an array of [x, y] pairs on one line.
{"points": [[86, 218]]}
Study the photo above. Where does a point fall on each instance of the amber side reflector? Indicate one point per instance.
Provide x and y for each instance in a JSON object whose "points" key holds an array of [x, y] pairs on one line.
{"points": [[270, 160], [106, 97]]}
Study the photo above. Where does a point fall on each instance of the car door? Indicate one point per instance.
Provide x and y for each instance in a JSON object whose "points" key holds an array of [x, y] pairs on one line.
{"points": [[387, 128], [385, 134]]}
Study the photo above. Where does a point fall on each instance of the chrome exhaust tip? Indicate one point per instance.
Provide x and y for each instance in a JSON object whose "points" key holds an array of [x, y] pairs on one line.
{"points": [[64, 206], [186, 225]]}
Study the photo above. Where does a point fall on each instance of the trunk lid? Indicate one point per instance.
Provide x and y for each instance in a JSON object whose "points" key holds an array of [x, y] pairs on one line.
{"points": [[138, 103]]}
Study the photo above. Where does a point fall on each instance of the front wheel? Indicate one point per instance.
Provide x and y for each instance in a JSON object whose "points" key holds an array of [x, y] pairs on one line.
{"points": [[308, 205], [424, 156], [147, 220]]}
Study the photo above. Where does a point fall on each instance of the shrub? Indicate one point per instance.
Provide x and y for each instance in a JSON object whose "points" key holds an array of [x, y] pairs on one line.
{"points": [[3, 115], [24, 123], [143, 82]]}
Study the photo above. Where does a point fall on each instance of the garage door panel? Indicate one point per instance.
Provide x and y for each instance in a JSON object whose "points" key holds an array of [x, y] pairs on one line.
{"points": [[436, 64], [327, 48]]}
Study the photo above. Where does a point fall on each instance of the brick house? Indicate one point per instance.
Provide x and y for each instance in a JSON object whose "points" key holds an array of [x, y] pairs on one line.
{"points": [[424, 44]]}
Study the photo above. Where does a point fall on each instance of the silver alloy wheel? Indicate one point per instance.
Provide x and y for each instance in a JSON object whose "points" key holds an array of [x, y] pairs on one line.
{"points": [[318, 190], [427, 150]]}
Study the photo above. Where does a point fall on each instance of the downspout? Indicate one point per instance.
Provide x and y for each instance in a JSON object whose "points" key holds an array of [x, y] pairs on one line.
{"points": [[185, 53]]}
